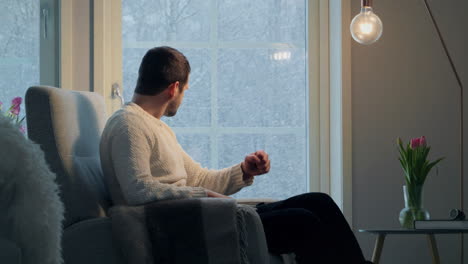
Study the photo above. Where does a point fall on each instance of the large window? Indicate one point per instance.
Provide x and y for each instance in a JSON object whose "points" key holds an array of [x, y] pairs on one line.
{"points": [[248, 87], [19, 48]]}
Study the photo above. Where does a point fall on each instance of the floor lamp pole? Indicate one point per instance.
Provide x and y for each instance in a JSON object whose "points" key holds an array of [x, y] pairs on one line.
{"points": [[434, 22]]}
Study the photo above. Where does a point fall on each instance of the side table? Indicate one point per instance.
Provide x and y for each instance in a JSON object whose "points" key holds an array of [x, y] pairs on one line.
{"points": [[382, 233]]}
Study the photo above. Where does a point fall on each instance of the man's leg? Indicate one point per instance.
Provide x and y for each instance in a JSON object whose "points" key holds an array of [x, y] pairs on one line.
{"points": [[338, 237], [294, 230]]}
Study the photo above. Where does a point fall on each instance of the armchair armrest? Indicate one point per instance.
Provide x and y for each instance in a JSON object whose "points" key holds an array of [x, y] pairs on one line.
{"points": [[255, 201], [10, 253], [198, 230], [90, 241]]}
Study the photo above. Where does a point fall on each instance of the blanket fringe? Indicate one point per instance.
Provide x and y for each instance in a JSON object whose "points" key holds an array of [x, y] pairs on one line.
{"points": [[242, 231]]}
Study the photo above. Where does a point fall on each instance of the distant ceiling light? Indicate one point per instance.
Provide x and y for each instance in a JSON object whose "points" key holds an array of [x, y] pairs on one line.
{"points": [[281, 55]]}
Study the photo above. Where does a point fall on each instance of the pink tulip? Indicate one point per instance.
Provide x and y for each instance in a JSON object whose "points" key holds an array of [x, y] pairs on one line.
{"points": [[15, 110], [422, 141], [16, 101], [415, 142]]}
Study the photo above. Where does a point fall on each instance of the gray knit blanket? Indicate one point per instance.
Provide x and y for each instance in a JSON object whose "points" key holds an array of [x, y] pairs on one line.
{"points": [[202, 230]]}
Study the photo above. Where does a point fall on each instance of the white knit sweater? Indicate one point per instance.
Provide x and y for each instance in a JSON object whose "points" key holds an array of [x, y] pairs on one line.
{"points": [[143, 162]]}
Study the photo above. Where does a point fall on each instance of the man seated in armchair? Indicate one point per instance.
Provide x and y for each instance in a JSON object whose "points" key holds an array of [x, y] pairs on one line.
{"points": [[143, 162]]}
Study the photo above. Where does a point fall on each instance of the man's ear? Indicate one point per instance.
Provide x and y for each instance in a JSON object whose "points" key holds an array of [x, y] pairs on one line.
{"points": [[172, 89]]}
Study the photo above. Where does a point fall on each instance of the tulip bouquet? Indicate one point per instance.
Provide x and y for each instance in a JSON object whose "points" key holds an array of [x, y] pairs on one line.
{"points": [[416, 166], [13, 113], [413, 159]]}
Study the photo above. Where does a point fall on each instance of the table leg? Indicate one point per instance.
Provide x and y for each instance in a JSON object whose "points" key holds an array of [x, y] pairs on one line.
{"points": [[378, 248], [433, 247]]}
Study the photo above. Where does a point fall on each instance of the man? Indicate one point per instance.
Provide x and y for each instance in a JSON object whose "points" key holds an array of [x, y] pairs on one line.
{"points": [[143, 162]]}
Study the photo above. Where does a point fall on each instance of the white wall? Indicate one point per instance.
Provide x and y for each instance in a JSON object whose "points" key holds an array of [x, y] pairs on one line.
{"points": [[403, 86]]}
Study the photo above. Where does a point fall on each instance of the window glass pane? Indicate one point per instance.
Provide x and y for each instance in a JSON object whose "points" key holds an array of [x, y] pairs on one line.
{"points": [[19, 49], [273, 88], [262, 20], [165, 20], [248, 86], [288, 172], [198, 146], [131, 59]]}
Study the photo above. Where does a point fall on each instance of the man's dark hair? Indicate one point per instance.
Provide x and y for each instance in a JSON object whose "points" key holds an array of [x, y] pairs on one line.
{"points": [[160, 67]]}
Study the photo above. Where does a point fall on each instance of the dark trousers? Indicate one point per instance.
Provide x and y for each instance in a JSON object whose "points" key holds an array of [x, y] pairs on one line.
{"points": [[312, 226]]}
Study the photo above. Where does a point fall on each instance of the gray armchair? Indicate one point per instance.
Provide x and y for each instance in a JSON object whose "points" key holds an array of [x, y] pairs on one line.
{"points": [[10, 253], [67, 125]]}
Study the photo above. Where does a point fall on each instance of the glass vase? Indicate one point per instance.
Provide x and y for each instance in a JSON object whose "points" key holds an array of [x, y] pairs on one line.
{"points": [[413, 206]]}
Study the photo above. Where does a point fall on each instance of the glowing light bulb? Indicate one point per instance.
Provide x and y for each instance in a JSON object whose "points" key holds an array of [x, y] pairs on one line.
{"points": [[366, 28]]}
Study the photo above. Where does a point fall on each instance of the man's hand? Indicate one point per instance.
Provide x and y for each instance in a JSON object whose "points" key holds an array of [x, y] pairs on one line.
{"points": [[256, 163], [216, 195]]}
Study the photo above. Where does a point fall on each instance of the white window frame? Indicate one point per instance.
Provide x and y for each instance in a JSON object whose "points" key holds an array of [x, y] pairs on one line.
{"points": [[90, 47], [107, 64], [341, 110], [49, 32], [330, 148], [75, 47], [330, 130]]}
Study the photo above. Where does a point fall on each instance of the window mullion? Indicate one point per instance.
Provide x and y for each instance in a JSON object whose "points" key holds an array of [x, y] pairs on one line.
{"points": [[49, 43], [214, 84]]}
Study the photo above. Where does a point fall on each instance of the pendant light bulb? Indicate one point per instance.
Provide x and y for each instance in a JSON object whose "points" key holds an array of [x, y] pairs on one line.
{"points": [[366, 28]]}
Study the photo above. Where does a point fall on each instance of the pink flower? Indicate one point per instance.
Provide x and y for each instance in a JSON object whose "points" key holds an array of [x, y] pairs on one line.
{"points": [[16, 101], [422, 141], [415, 142], [15, 110], [15, 105], [22, 129]]}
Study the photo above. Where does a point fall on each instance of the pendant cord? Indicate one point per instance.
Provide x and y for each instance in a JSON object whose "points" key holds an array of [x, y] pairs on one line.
{"points": [[434, 22]]}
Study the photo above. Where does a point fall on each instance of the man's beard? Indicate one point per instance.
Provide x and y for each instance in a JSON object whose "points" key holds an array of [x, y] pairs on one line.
{"points": [[171, 109], [170, 113]]}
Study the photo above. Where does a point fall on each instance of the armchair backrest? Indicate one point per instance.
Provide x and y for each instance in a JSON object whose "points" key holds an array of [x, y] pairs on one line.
{"points": [[68, 125]]}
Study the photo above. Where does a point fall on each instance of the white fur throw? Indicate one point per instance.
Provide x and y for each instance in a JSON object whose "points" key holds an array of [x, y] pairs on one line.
{"points": [[31, 211]]}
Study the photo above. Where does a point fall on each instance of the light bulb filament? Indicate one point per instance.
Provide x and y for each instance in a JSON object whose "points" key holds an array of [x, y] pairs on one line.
{"points": [[366, 28]]}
